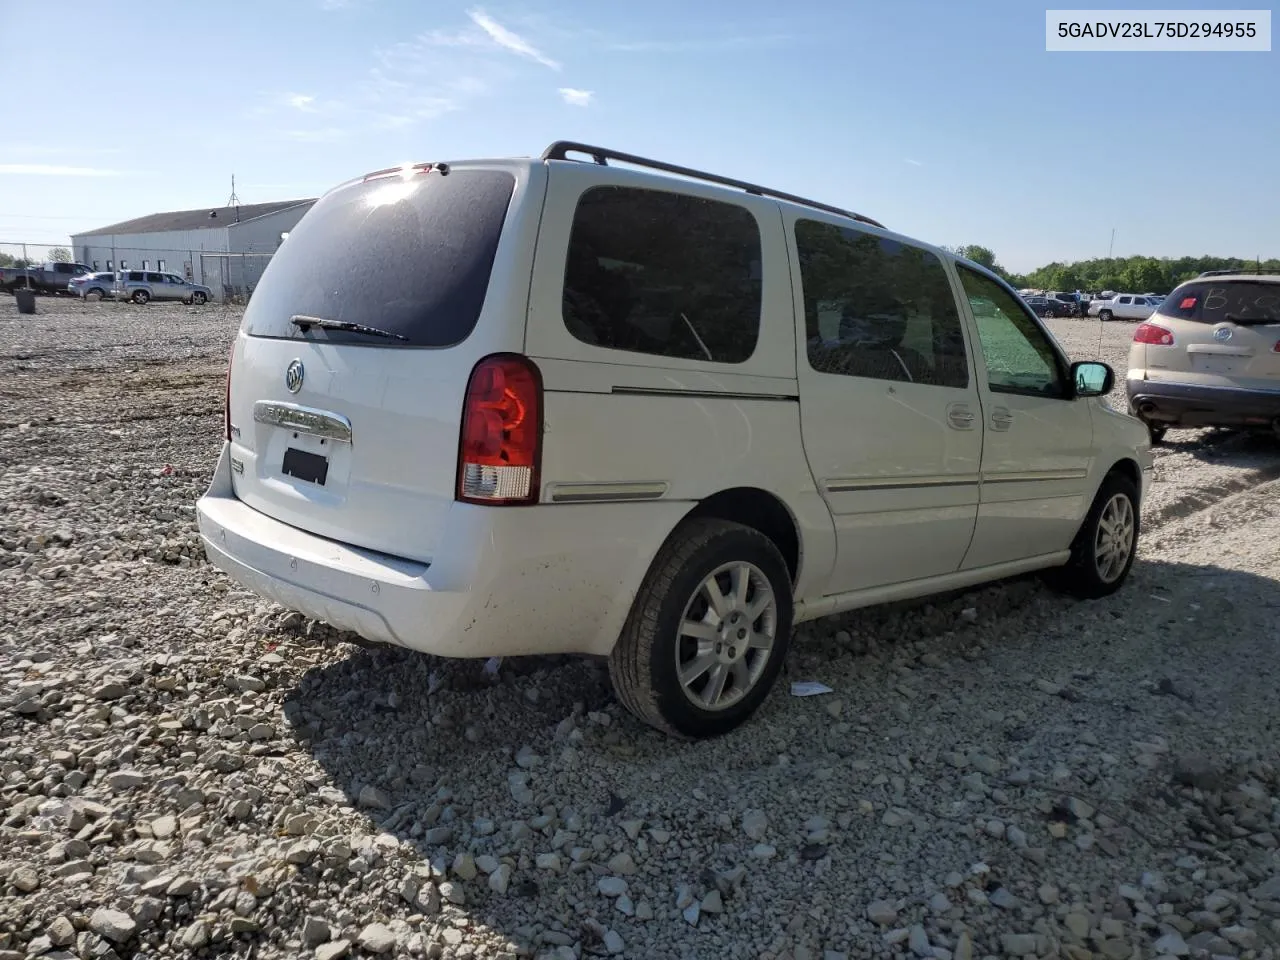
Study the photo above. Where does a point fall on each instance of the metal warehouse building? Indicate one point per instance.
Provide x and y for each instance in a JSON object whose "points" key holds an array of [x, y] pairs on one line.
{"points": [[225, 248]]}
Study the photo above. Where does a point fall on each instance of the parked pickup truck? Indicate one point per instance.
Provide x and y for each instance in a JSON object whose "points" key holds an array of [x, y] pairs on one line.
{"points": [[1124, 306], [46, 278]]}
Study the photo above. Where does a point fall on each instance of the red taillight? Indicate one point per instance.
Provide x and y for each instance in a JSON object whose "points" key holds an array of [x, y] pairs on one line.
{"points": [[1153, 334], [226, 409], [1276, 348], [501, 443]]}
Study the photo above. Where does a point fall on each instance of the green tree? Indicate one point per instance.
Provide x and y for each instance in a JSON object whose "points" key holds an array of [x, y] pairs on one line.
{"points": [[60, 255]]}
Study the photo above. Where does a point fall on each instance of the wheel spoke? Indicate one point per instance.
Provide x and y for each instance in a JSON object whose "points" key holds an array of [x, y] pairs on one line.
{"points": [[690, 672], [741, 677], [762, 602], [758, 640], [719, 603], [714, 689], [740, 582], [698, 629]]}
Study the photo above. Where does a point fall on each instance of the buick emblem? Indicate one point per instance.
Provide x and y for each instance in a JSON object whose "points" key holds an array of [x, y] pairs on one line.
{"points": [[1222, 334], [293, 375]]}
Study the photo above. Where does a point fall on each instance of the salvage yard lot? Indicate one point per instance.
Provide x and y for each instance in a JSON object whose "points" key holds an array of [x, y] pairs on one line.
{"points": [[188, 770]]}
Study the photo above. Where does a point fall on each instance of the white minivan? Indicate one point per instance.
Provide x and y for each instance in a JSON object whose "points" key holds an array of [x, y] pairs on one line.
{"points": [[627, 409]]}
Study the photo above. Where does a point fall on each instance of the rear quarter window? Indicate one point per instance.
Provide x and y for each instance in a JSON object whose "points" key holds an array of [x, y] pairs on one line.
{"points": [[1215, 302], [663, 273]]}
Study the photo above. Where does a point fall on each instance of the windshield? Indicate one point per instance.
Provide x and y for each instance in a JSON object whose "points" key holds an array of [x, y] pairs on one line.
{"points": [[411, 257], [1218, 301]]}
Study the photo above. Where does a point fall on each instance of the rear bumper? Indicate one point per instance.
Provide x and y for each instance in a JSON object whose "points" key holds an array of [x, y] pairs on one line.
{"points": [[1180, 404], [529, 580]]}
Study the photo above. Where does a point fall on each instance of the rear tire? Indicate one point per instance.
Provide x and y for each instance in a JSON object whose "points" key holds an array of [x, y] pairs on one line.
{"points": [[730, 658], [1156, 433], [1104, 549], [1105, 316], [140, 297]]}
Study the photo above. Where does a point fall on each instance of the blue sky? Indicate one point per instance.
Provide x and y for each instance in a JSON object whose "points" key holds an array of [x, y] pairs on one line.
{"points": [[946, 121]]}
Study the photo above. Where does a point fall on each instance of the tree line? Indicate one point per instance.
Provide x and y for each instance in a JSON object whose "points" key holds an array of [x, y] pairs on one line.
{"points": [[1132, 274], [57, 255]]}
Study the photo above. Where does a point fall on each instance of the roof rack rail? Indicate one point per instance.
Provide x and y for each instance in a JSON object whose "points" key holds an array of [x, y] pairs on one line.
{"points": [[1242, 271], [561, 149]]}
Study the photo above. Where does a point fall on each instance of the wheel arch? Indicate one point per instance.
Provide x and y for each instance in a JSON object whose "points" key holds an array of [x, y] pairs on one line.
{"points": [[1127, 467], [760, 510]]}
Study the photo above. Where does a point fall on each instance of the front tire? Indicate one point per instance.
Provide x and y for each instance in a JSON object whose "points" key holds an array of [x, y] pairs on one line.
{"points": [[140, 297], [708, 631], [198, 299], [1104, 549]]}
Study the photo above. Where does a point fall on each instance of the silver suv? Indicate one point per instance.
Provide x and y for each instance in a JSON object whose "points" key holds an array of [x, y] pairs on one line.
{"points": [[143, 286], [1210, 355]]}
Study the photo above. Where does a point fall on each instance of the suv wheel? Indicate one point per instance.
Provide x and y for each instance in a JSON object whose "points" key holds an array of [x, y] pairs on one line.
{"points": [[1105, 315], [140, 296], [198, 298], [708, 631], [1104, 549]]}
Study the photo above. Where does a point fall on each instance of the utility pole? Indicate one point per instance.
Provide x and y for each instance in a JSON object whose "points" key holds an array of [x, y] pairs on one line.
{"points": [[1113, 243]]}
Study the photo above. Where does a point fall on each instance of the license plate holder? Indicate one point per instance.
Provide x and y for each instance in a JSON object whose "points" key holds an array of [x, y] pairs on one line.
{"points": [[308, 467], [1224, 365]]}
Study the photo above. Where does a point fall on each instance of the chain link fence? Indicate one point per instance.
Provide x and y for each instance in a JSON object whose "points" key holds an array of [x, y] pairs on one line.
{"points": [[231, 277]]}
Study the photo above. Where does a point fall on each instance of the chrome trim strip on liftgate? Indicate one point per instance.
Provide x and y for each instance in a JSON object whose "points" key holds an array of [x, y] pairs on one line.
{"points": [[308, 420]]}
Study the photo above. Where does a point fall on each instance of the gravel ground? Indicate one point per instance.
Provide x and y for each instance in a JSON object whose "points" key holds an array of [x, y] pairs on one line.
{"points": [[188, 771]]}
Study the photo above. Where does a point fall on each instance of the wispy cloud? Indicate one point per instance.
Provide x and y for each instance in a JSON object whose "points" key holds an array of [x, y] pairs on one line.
{"points": [[301, 101], [509, 39], [577, 98], [914, 163], [55, 170]]}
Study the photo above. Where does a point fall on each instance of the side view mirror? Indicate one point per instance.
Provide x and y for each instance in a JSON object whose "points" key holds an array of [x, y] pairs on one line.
{"points": [[1092, 378]]}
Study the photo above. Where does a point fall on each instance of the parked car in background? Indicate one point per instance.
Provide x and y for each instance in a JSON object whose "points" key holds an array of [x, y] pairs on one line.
{"points": [[99, 284], [143, 286], [386, 464], [1210, 356], [1044, 307], [1124, 306], [1070, 301], [51, 277]]}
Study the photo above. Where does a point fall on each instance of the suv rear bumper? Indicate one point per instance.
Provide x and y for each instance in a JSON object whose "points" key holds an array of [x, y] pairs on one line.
{"points": [[517, 580], [1194, 405]]}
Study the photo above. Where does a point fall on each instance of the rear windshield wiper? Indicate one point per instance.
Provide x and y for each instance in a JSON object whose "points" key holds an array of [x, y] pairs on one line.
{"points": [[304, 323], [1250, 321]]}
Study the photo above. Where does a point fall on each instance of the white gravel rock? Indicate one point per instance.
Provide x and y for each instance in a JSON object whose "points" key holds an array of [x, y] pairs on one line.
{"points": [[232, 778]]}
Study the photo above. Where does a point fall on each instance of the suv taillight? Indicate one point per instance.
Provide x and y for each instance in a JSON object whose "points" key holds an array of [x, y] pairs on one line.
{"points": [[501, 443], [226, 409], [1154, 334]]}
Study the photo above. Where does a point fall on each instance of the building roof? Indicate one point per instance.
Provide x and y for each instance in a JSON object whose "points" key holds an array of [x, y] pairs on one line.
{"points": [[194, 219]]}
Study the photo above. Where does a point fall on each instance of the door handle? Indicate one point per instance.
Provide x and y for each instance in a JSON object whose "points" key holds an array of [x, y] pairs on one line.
{"points": [[960, 416], [1001, 419]]}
